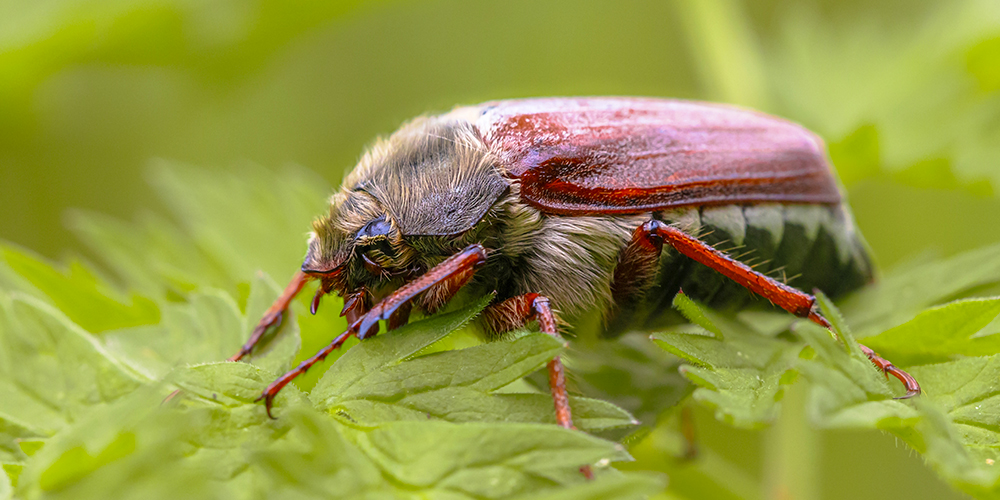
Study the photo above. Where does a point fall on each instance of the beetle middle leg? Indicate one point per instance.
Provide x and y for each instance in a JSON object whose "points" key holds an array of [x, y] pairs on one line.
{"points": [[651, 236], [515, 312]]}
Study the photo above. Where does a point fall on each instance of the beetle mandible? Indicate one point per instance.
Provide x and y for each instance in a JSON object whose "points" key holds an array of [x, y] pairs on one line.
{"points": [[567, 204]]}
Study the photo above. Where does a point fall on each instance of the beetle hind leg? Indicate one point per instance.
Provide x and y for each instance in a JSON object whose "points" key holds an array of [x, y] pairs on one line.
{"points": [[912, 387], [653, 234]]}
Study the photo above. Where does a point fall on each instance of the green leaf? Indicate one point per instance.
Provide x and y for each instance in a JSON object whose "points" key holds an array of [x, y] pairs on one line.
{"points": [[625, 486], [387, 350], [469, 457], [77, 294], [954, 422], [208, 328], [941, 333], [983, 62], [245, 223], [6, 489], [741, 377], [50, 359], [414, 459], [457, 386], [228, 227], [902, 294], [132, 448], [960, 430], [152, 255], [276, 351], [849, 392], [631, 372]]}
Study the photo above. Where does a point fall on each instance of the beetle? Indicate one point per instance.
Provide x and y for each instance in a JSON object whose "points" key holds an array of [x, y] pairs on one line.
{"points": [[612, 204]]}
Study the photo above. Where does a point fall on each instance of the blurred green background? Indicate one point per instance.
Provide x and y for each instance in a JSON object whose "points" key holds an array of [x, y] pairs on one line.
{"points": [[905, 92]]}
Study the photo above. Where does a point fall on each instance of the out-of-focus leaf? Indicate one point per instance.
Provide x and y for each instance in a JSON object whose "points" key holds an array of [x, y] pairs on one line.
{"points": [[908, 80], [133, 448], [741, 377], [78, 296], [900, 295], [152, 255], [228, 228], [940, 333], [57, 363], [210, 327], [857, 156], [257, 222], [983, 61], [631, 372], [710, 474]]}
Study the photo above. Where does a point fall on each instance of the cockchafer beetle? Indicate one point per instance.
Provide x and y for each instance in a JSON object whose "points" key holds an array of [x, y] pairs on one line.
{"points": [[566, 204]]}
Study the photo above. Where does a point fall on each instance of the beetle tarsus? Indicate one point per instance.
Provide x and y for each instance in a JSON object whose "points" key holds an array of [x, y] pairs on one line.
{"points": [[910, 383], [272, 390]]}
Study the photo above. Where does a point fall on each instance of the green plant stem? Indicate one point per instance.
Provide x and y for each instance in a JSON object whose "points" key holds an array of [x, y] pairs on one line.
{"points": [[791, 450], [725, 51]]}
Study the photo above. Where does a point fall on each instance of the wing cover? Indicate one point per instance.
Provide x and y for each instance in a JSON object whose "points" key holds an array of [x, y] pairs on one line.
{"points": [[629, 155]]}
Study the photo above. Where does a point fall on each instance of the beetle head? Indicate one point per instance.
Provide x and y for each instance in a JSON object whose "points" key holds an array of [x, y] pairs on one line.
{"points": [[357, 247], [414, 199]]}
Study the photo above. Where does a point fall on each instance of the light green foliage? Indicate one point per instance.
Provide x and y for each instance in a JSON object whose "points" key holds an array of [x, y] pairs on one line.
{"points": [[955, 423], [742, 377], [78, 294], [370, 383]]}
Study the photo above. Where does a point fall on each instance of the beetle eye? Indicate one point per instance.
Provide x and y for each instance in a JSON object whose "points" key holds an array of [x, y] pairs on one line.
{"points": [[378, 228]]}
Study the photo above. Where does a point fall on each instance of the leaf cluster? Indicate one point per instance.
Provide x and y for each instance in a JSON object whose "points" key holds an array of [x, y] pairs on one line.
{"points": [[742, 368]]}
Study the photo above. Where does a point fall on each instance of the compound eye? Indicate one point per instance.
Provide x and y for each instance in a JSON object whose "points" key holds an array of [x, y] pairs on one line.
{"points": [[378, 228]]}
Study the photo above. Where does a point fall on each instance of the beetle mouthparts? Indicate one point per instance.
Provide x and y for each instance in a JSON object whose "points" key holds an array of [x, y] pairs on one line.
{"points": [[315, 302]]}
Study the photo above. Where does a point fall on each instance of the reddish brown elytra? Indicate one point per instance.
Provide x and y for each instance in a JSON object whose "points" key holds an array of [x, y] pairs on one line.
{"points": [[566, 203]]}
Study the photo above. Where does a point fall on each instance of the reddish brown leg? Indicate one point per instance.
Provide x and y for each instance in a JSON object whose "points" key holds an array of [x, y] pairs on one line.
{"points": [[516, 311], [271, 318], [790, 299], [273, 315], [272, 390], [689, 432], [458, 264]]}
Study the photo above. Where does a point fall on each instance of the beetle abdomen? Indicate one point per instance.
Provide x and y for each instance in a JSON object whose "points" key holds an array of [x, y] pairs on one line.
{"points": [[806, 246]]}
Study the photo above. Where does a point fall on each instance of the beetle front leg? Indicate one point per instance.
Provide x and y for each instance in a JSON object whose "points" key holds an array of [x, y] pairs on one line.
{"points": [[655, 233], [274, 314], [460, 265]]}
